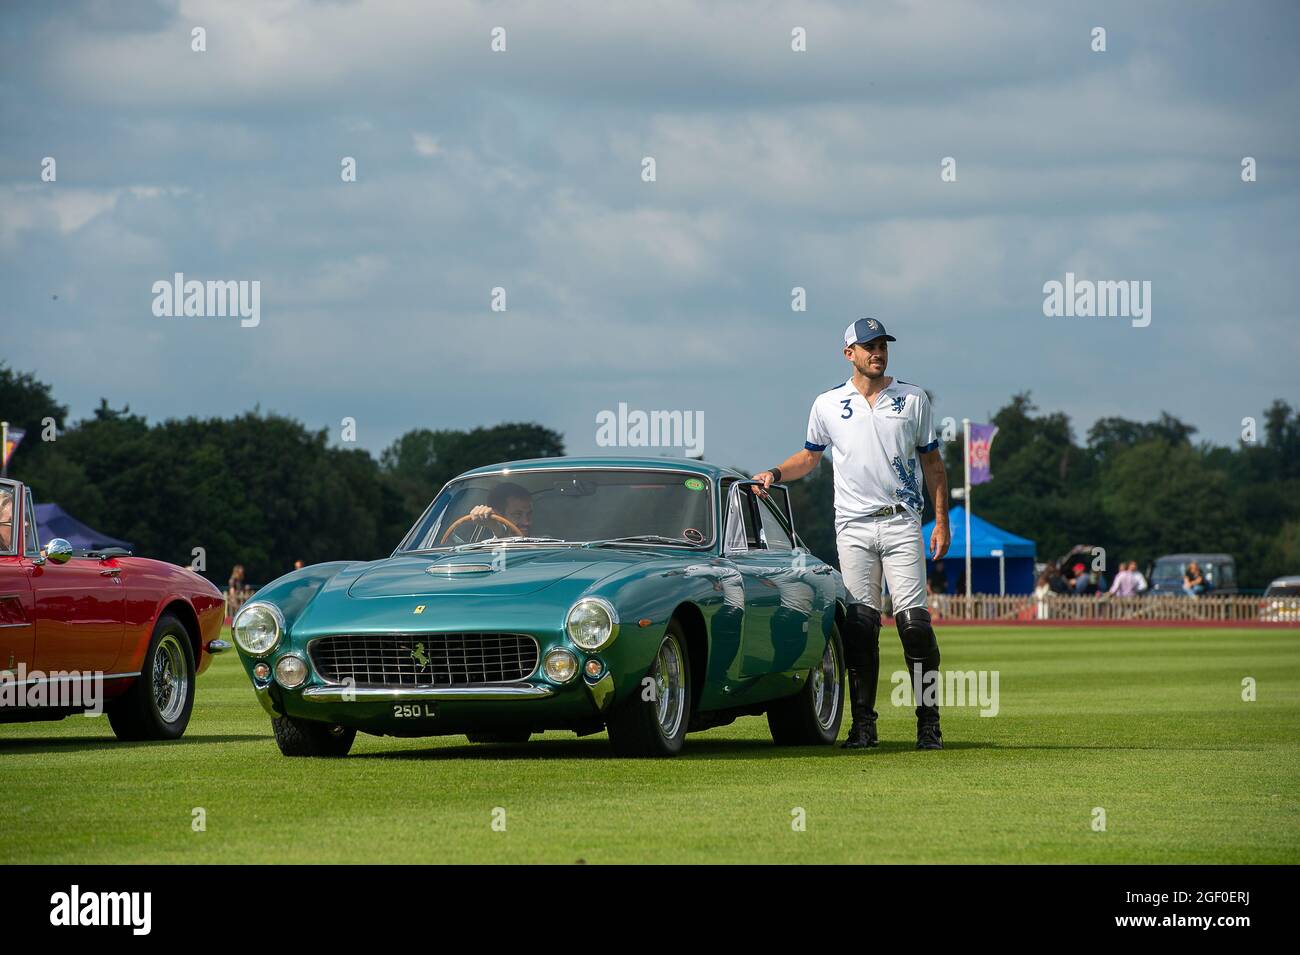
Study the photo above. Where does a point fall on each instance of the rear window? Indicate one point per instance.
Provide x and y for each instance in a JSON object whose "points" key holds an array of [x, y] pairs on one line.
{"points": [[1218, 573]]}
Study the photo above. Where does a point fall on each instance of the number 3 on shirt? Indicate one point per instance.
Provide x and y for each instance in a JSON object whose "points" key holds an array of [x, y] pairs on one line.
{"points": [[848, 411]]}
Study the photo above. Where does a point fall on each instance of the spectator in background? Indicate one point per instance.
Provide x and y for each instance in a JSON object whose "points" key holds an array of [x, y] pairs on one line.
{"points": [[1126, 581], [236, 590], [1079, 579], [1056, 581], [297, 564], [1194, 580], [1042, 589], [1140, 581]]}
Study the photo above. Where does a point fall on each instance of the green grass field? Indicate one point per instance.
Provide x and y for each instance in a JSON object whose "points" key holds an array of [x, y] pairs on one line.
{"points": [[1149, 725]]}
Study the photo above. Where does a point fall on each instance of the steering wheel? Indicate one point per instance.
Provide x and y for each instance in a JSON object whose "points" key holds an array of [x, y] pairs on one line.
{"points": [[467, 518]]}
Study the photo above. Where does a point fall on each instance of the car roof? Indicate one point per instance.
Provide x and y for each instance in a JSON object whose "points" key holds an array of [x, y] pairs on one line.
{"points": [[622, 461], [1282, 581], [1197, 556]]}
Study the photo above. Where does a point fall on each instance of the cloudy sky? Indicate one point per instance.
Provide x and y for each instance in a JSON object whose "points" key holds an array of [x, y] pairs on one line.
{"points": [[775, 169]]}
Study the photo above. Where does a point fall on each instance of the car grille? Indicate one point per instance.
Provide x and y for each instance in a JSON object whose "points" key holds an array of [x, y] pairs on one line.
{"points": [[433, 659]]}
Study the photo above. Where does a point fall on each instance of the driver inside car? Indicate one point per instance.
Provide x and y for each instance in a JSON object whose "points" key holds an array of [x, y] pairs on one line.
{"points": [[510, 501]]}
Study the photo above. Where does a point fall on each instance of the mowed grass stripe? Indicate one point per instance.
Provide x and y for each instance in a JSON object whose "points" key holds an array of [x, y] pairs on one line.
{"points": [[1147, 724]]}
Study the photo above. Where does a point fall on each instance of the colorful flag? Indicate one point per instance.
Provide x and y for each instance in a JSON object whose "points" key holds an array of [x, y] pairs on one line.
{"points": [[981, 439], [12, 437]]}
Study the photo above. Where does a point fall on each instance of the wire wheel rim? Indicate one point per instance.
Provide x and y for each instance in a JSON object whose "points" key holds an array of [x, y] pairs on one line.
{"points": [[826, 688], [670, 687], [170, 679]]}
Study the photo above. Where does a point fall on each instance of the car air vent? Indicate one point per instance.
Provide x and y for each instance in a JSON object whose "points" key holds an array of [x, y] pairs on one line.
{"points": [[448, 570]]}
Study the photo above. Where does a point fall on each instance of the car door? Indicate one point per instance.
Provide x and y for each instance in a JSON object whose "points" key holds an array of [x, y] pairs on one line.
{"points": [[745, 548], [790, 572], [17, 631], [80, 613]]}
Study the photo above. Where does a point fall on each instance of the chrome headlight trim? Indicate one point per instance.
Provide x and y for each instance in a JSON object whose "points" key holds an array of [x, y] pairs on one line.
{"points": [[279, 676], [276, 616], [611, 633], [561, 653]]}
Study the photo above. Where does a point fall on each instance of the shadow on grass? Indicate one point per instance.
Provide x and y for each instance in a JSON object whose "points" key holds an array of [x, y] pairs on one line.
{"points": [[73, 744], [599, 748]]}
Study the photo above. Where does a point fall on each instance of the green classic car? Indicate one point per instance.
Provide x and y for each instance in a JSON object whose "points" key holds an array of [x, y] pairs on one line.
{"points": [[646, 596]]}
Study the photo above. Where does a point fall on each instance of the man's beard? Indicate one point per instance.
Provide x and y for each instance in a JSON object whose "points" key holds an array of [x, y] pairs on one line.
{"points": [[871, 372]]}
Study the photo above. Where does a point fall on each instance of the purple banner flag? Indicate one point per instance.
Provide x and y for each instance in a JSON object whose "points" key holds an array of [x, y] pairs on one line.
{"points": [[12, 437], [981, 439]]}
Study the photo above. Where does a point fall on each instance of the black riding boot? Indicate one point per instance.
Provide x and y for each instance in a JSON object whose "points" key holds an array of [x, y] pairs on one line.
{"points": [[862, 654], [921, 651]]}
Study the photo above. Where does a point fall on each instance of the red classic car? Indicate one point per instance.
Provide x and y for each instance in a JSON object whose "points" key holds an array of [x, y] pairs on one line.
{"points": [[99, 631]]}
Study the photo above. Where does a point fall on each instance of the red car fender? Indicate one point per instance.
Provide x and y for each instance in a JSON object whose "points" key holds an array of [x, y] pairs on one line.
{"points": [[154, 588]]}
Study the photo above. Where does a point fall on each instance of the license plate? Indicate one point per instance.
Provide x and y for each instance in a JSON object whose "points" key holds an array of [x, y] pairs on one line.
{"points": [[414, 711]]}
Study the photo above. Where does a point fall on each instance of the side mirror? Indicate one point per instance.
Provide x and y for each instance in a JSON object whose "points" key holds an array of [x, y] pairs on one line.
{"points": [[58, 551]]}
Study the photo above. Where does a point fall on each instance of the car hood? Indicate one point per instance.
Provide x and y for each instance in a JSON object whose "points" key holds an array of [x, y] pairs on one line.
{"points": [[509, 572]]}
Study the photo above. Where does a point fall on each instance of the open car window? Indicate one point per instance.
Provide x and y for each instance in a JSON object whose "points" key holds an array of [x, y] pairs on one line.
{"points": [[744, 532], [571, 505], [775, 534]]}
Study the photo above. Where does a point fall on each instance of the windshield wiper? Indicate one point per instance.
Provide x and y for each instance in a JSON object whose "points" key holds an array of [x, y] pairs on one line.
{"points": [[510, 540], [645, 539]]}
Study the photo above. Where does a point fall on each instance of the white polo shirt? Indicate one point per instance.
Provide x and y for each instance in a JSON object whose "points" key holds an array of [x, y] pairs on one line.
{"points": [[876, 450]]}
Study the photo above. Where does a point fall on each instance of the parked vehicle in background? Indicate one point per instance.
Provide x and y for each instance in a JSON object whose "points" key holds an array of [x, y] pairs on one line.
{"points": [[1219, 570], [1282, 601], [141, 629]]}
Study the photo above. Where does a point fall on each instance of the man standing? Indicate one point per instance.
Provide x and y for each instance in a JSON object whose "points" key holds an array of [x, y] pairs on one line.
{"points": [[879, 427]]}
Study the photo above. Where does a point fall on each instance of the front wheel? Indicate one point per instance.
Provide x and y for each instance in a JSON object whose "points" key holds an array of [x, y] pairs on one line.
{"points": [[812, 716], [652, 721], [159, 702], [297, 737]]}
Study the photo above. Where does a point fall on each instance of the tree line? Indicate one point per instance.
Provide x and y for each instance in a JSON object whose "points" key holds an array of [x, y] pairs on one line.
{"points": [[264, 490]]}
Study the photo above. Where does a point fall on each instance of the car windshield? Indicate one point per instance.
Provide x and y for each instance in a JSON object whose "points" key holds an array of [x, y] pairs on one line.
{"points": [[578, 506], [1283, 590]]}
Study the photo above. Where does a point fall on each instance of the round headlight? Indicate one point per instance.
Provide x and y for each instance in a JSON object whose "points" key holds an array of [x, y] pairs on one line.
{"points": [[560, 665], [258, 628], [290, 671], [592, 623]]}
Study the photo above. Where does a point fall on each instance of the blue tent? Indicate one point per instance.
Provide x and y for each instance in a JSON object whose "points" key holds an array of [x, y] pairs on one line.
{"points": [[1017, 554], [53, 521]]}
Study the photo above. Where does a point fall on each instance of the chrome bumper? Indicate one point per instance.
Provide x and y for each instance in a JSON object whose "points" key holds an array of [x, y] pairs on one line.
{"points": [[370, 694]]}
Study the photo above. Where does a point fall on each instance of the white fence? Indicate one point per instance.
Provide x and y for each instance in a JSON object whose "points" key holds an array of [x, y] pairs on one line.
{"points": [[1147, 607]]}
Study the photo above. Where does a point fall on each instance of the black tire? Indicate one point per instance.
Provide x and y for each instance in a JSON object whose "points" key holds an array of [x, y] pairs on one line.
{"points": [[640, 725], [498, 737], [159, 702], [297, 737], [811, 717]]}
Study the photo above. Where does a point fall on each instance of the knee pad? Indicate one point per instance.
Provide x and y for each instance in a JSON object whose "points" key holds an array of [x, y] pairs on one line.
{"points": [[917, 634], [861, 635]]}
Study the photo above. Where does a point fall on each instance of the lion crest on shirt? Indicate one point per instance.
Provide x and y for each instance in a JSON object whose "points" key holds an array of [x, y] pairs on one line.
{"points": [[909, 492]]}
